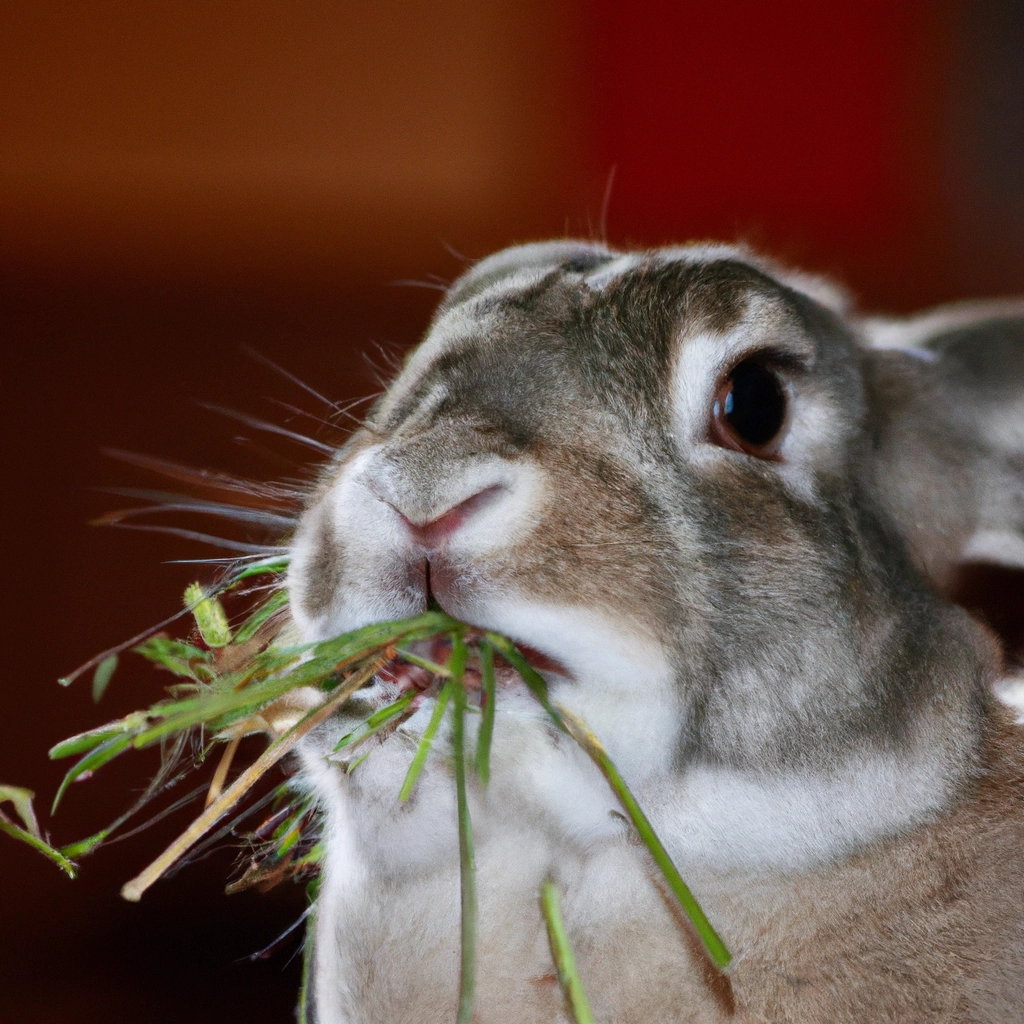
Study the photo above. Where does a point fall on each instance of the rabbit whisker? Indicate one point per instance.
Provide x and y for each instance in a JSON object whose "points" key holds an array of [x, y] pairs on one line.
{"points": [[260, 358], [270, 428]]}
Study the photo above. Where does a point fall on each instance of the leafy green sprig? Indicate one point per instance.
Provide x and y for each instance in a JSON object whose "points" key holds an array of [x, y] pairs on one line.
{"points": [[231, 683]]}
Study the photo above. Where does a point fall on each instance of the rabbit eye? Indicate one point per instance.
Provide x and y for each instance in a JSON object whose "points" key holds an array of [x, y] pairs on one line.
{"points": [[749, 410]]}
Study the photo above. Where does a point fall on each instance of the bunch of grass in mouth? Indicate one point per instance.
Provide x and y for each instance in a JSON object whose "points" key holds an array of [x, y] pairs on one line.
{"points": [[231, 683]]}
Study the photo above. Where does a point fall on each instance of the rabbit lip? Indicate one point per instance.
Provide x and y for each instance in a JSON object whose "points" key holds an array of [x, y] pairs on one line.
{"points": [[543, 662], [449, 587], [440, 575], [441, 582]]}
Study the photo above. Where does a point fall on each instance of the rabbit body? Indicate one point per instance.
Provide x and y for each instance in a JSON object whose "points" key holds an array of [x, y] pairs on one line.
{"points": [[753, 625]]}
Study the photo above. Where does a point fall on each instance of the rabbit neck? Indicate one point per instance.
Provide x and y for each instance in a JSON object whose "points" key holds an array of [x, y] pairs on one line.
{"points": [[801, 816], [799, 819]]}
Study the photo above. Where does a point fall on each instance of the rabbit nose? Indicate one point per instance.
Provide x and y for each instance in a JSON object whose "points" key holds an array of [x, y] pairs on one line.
{"points": [[431, 533]]}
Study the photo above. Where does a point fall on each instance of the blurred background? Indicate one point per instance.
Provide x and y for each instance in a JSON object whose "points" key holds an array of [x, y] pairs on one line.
{"points": [[181, 180]]}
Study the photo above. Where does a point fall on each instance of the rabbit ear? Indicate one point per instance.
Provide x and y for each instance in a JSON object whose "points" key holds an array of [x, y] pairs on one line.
{"points": [[537, 257], [946, 413]]}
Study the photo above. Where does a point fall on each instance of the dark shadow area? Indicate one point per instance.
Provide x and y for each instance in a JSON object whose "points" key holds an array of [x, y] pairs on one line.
{"points": [[92, 364], [995, 594]]}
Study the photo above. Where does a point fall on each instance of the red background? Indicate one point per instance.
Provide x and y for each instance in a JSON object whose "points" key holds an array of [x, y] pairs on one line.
{"points": [[179, 180]]}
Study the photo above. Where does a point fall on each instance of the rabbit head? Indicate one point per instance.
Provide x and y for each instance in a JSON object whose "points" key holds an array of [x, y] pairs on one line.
{"points": [[683, 479], [721, 513]]}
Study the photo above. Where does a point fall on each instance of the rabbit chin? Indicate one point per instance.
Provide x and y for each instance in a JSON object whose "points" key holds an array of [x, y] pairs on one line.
{"points": [[612, 683]]}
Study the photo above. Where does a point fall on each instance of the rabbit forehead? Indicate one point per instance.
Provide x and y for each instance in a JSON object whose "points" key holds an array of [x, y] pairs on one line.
{"points": [[601, 339], [624, 351]]}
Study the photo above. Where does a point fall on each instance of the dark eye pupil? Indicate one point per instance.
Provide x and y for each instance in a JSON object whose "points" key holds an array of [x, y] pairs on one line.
{"points": [[755, 407]]}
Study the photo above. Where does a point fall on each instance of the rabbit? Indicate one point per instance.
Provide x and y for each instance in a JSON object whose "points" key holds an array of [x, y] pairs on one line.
{"points": [[722, 514]]}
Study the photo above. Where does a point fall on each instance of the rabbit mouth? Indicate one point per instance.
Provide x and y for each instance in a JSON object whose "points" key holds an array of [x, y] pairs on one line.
{"points": [[442, 582], [408, 677], [447, 587]]}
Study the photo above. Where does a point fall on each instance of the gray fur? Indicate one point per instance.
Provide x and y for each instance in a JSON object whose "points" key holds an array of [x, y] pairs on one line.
{"points": [[784, 683]]}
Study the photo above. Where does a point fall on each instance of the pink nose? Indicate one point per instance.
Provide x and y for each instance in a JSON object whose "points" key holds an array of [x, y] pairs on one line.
{"points": [[434, 532]]}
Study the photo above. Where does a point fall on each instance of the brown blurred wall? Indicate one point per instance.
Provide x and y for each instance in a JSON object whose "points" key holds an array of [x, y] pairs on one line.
{"points": [[241, 138]]}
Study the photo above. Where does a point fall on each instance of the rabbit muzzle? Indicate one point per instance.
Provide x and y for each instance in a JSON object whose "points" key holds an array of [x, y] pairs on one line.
{"points": [[400, 526]]}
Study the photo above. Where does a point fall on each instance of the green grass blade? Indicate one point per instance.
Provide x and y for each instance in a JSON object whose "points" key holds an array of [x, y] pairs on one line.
{"points": [[385, 633], [248, 628], [423, 750], [70, 869], [353, 765], [101, 677], [483, 740], [219, 709], [579, 731], [183, 659], [467, 863], [86, 741], [130, 724], [91, 762], [274, 564], [430, 666], [85, 846], [561, 951], [375, 722], [533, 679], [21, 799]]}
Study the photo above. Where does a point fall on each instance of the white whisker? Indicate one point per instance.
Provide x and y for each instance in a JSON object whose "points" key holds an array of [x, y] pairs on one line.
{"points": [[260, 358], [270, 428]]}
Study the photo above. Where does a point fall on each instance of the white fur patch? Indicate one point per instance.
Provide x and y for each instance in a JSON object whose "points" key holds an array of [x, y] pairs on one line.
{"points": [[1001, 547], [599, 279], [619, 673], [724, 819], [1010, 690]]}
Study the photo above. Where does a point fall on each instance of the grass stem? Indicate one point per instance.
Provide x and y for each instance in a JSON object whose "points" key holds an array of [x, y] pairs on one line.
{"points": [[223, 767], [377, 721], [467, 865], [16, 832], [134, 889], [426, 741], [580, 732], [561, 951], [486, 731]]}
